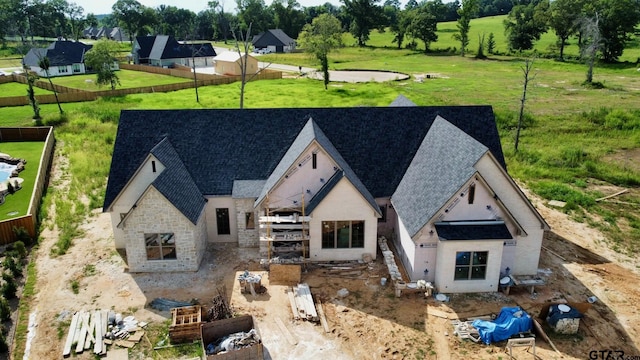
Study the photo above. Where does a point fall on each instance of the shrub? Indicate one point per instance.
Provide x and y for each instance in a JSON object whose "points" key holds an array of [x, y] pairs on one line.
{"points": [[20, 249], [23, 235], [10, 287], [15, 267], [5, 310], [4, 347]]}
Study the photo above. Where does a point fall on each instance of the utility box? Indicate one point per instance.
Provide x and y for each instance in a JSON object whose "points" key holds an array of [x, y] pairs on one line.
{"points": [[215, 331]]}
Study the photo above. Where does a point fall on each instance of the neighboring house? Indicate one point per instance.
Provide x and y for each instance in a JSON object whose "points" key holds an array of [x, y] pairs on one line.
{"points": [[166, 51], [116, 33], [326, 182], [275, 40], [229, 63], [65, 58]]}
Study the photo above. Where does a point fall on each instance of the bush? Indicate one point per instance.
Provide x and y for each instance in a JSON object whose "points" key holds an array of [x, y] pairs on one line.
{"points": [[20, 249], [10, 287], [4, 347], [5, 310], [23, 235], [15, 267]]}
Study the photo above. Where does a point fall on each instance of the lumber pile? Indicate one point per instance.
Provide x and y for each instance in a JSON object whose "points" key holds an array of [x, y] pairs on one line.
{"points": [[98, 328], [302, 304]]}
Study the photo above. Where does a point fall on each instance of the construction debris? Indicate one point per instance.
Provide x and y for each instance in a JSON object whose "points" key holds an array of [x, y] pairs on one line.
{"points": [[220, 309], [251, 283], [163, 304], [100, 328], [389, 260], [234, 342], [185, 325], [302, 305]]}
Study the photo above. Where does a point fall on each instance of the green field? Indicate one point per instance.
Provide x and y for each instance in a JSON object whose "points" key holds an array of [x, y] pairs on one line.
{"points": [[128, 79], [18, 89], [18, 204]]}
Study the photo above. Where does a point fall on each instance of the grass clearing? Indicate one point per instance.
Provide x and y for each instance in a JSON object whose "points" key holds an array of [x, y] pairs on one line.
{"points": [[18, 89], [128, 79]]}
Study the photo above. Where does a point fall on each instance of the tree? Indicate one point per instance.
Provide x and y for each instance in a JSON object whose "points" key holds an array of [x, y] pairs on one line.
{"points": [[130, 14], [242, 47], [617, 22], [101, 58], [288, 16], [33, 101], [401, 27], [468, 11], [92, 20], [491, 43], [424, 26], [591, 44], [44, 65], [525, 24], [563, 19], [365, 15], [319, 38], [253, 12], [526, 71], [76, 19]]}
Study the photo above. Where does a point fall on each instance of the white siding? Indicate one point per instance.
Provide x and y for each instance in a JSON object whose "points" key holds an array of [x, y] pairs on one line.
{"points": [[528, 247], [131, 193], [301, 179], [447, 263], [344, 202], [406, 248], [221, 202]]}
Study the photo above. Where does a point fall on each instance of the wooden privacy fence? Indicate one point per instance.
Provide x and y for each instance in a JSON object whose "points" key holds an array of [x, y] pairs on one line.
{"points": [[29, 221], [78, 95]]}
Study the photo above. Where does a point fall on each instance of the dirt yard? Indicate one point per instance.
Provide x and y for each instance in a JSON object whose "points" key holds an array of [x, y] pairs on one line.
{"points": [[369, 323]]}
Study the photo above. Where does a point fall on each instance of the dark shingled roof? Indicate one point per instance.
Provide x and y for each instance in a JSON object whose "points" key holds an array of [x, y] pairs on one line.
{"points": [[60, 53], [176, 184], [243, 189], [325, 190], [469, 230], [219, 146], [273, 37], [167, 47], [442, 164]]}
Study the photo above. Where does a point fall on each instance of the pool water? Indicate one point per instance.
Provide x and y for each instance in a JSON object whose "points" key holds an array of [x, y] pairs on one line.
{"points": [[5, 171]]}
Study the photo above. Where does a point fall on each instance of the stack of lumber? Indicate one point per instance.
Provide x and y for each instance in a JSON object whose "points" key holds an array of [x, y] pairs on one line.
{"points": [[185, 325], [86, 331], [347, 270], [302, 304], [91, 329]]}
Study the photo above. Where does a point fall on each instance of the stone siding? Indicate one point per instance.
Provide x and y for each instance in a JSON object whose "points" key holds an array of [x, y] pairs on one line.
{"points": [[246, 237], [154, 214]]}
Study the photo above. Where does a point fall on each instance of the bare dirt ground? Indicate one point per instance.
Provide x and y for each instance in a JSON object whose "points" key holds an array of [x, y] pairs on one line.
{"points": [[370, 323]]}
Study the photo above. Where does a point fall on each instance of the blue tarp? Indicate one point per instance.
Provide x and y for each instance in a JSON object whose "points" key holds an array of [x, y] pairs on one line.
{"points": [[510, 321]]}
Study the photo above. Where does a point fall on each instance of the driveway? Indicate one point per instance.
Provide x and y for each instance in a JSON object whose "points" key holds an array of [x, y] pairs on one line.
{"points": [[355, 76]]}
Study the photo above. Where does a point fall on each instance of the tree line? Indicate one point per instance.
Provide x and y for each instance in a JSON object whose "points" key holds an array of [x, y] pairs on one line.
{"points": [[526, 21]]}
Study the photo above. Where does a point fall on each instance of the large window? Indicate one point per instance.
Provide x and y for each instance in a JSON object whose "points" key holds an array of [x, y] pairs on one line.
{"points": [[471, 265], [342, 234], [76, 68], [62, 69], [160, 246], [250, 220], [222, 217]]}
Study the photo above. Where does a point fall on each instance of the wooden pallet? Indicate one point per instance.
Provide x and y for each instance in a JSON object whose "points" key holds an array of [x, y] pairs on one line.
{"points": [[185, 324]]}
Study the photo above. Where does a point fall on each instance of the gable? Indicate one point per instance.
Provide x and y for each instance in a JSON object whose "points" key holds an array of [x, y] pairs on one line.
{"points": [[273, 37], [442, 164], [218, 146]]}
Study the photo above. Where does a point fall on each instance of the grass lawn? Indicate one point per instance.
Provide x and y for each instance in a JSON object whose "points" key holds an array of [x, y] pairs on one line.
{"points": [[18, 89], [18, 204], [128, 79]]}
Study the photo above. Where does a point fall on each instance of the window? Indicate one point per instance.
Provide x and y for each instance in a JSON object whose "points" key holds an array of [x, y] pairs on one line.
{"points": [[471, 265], [314, 161], [153, 165], [222, 217], [160, 246], [250, 221], [472, 193], [62, 69], [342, 234], [76, 68]]}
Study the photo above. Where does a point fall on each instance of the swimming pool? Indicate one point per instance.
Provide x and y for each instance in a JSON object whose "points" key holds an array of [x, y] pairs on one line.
{"points": [[6, 170]]}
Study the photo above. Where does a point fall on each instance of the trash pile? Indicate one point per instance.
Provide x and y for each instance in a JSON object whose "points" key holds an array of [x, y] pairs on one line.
{"points": [[389, 259], [163, 304], [249, 277], [233, 342]]}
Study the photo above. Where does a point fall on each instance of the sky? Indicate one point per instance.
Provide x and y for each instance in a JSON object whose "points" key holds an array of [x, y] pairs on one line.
{"points": [[99, 7]]}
